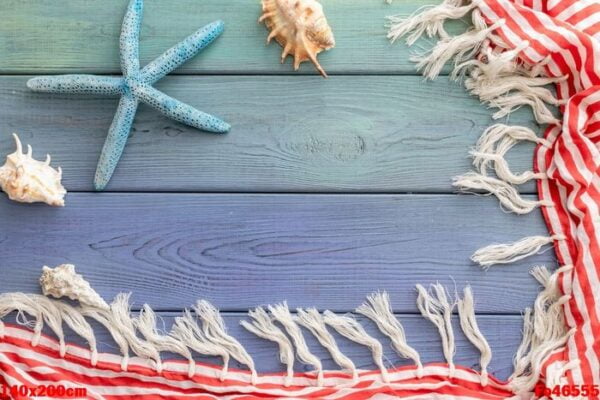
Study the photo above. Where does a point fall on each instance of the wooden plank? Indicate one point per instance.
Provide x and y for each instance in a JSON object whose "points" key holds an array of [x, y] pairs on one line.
{"points": [[290, 134], [238, 251], [82, 36], [502, 332]]}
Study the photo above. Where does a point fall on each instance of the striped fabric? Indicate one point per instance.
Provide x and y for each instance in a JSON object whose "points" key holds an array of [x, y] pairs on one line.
{"points": [[566, 34], [560, 36], [21, 364]]}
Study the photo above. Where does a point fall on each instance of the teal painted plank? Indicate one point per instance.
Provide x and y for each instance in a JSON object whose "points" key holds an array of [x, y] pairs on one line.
{"points": [[290, 134], [502, 332], [238, 251], [41, 36]]}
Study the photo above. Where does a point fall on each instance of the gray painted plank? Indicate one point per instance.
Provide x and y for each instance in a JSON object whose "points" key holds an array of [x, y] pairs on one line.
{"points": [[238, 251], [290, 134], [82, 36], [502, 332]]}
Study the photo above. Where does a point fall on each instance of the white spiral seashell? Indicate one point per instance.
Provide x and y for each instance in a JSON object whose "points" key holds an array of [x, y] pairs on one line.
{"points": [[63, 281], [300, 27], [31, 181]]}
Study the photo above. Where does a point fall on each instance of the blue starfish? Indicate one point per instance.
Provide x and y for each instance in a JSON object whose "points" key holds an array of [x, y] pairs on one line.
{"points": [[136, 85]]}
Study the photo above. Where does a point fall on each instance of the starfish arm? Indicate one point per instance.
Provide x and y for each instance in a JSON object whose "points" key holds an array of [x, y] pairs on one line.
{"points": [[179, 111], [181, 52], [115, 141], [78, 84], [130, 38]]}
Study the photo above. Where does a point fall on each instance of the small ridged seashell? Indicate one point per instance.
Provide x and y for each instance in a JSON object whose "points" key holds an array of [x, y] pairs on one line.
{"points": [[63, 281], [31, 181], [300, 27]]}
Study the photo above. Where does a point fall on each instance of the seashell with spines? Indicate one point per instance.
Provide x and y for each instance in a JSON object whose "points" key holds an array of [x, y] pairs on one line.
{"points": [[31, 181], [63, 281], [300, 27]]}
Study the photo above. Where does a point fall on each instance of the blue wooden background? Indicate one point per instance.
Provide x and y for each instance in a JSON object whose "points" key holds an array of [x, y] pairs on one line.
{"points": [[323, 192]]}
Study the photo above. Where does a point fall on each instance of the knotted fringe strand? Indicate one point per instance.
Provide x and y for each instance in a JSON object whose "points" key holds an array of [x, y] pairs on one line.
{"points": [[468, 324], [544, 332], [281, 314], [262, 326], [23, 304], [509, 197], [352, 330], [53, 319], [103, 317], [75, 320], [146, 325], [120, 316], [493, 145], [215, 331], [493, 134], [378, 309], [459, 48], [489, 151], [512, 252], [427, 20], [187, 331], [436, 308], [312, 320], [53, 313], [503, 83]]}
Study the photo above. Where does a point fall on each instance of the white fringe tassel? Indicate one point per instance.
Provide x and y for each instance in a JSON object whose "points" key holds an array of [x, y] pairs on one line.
{"points": [[146, 325], [105, 319], [436, 308], [312, 320], [509, 197], [459, 48], [262, 326], [468, 324], [282, 314], [378, 309], [544, 332], [492, 135], [75, 320], [187, 331], [509, 92], [120, 316], [428, 20], [509, 253], [352, 330], [493, 145], [23, 304], [215, 331]]}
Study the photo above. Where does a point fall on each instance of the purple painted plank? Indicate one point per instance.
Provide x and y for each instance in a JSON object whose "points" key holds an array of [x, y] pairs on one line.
{"points": [[238, 251]]}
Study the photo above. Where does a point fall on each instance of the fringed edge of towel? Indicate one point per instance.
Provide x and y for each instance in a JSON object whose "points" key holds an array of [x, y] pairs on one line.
{"points": [[494, 72], [202, 330], [501, 78]]}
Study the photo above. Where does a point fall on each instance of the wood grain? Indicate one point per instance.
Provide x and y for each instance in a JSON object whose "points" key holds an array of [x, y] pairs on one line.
{"points": [[376, 131], [238, 251], [37, 36], [290, 134], [502, 332]]}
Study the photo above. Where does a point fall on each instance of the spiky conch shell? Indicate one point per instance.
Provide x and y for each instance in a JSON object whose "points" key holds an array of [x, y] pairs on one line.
{"points": [[63, 281], [27, 180], [300, 27]]}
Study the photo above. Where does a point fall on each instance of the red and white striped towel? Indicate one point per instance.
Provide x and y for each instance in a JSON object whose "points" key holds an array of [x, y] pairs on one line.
{"points": [[568, 32]]}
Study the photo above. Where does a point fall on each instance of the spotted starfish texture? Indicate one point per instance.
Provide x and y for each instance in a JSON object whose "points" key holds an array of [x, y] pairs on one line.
{"points": [[136, 85]]}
